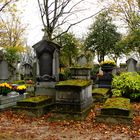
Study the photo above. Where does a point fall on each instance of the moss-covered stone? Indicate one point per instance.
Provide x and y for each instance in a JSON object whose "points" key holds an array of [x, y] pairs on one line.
{"points": [[100, 91], [59, 115], [100, 94], [35, 101], [116, 106], [115, 119], [37, 111], [119, 103], [73, 83], [79, 68]]}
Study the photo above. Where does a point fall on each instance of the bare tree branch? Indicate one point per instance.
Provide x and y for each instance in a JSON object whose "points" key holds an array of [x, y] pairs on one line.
{"points": [[78, 23], [41, 12], [5, 4]]}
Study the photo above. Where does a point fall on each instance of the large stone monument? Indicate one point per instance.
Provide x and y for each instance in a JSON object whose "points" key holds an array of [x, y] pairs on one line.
{"points": [[46, 67]]}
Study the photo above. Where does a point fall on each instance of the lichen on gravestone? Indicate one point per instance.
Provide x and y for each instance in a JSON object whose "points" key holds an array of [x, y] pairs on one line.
{"points": [[116, 106]]}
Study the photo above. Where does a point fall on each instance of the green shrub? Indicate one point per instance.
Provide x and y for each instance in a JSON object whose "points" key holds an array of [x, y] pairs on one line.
{"points": [[95, 69], [127, 84], [67, 73]]}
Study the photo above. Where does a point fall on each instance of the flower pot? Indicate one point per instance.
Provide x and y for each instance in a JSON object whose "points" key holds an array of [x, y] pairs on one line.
{"points": [[21, 92], [107, 68]]}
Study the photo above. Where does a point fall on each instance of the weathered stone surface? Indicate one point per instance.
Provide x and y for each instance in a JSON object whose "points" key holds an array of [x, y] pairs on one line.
{"points": [[116, 110], [35, 106], [45, 88], [4, 73], [33, 111], [61, 115], [115, 119], [35, 101], [8, 101], [80, 73], [73, 96], [116, 106], [47, 61], [100, 94]]}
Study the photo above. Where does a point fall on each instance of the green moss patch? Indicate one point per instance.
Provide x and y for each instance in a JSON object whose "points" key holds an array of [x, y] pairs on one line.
{"points": [[100, 91], [73, 83], [80, 68], [35, 101], [116, 106]]}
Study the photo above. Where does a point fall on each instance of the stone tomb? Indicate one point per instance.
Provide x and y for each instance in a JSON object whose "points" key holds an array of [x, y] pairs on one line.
{"points": [[35, 106], [46, 67], [8, 101], [74, 97], [116, 110]]}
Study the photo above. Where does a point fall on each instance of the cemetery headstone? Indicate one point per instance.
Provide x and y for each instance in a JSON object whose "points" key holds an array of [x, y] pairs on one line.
{"points": [[27, 70], [82, 61], [4, 73], [46, 67], [131, 65]]}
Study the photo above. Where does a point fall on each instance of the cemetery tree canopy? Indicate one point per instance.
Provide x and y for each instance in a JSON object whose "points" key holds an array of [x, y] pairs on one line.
{"points": [[102, 36], [5, 3], [56, 13], [69, 50], [126, 10], [11, 31]]}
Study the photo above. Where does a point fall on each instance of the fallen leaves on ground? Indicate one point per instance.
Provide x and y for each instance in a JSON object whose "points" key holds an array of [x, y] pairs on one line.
{"points": [[21, 127]]}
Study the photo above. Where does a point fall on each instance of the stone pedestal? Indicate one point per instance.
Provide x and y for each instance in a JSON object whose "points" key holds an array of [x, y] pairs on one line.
{"points": [[73, 98], [105, 80], [45, 88]]}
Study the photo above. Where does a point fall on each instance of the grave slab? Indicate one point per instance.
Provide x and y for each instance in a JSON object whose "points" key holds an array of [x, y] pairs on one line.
{"points": [[100, 94], [35, 106], [116, 110]]}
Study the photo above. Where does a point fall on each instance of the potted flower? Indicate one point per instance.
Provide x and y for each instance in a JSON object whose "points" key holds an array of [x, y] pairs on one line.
{"points": [[21, 89], [5, 88], [107, 65]]}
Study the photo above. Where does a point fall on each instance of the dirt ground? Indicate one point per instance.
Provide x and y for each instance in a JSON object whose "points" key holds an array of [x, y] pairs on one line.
{"points": [[21, 127]]}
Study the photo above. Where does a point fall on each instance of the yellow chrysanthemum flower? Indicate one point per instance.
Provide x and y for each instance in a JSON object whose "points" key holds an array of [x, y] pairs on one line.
{"points": [[108, 62], [21, 87]]}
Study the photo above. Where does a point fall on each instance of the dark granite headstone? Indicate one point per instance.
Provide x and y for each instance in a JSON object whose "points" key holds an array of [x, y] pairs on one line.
{"points": [[48, 62]]}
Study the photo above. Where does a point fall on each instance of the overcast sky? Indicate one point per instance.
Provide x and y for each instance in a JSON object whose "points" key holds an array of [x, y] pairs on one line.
{"points": [[31, 16]]}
